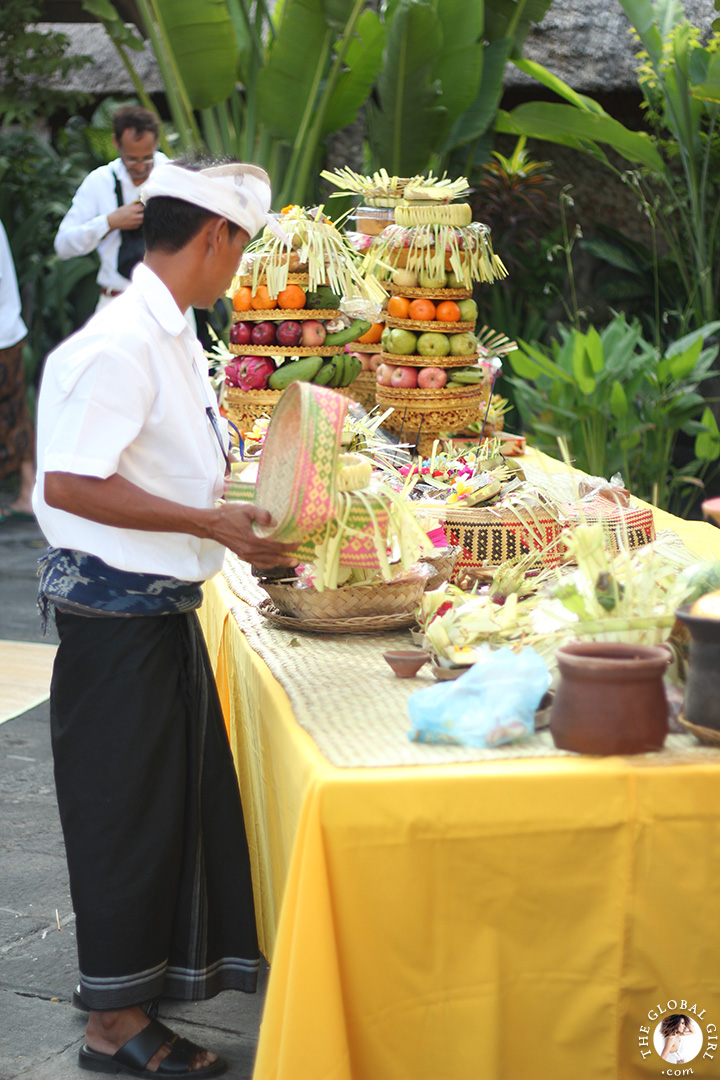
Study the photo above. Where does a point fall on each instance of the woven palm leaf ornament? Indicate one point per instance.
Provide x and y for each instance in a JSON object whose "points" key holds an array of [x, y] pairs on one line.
{"points": [[323, 500]]}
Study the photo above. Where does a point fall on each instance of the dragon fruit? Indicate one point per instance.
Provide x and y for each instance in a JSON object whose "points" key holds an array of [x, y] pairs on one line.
{"points": [[249, 372]]}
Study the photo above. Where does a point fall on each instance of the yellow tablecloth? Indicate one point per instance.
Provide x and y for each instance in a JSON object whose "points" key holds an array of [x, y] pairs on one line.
{"points": [[514, 919]]}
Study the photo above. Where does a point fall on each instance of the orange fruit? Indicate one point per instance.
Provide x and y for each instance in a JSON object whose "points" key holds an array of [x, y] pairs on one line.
{"points": [[422, 309], [373, 335], [292, 298], [398, 307], [447, 311], [242, 300], [262, 301]]}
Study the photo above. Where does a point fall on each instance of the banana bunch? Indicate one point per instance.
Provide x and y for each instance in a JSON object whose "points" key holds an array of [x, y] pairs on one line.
{"points": [[409, 215], [467, 376], [331, 371], [338, 370]]}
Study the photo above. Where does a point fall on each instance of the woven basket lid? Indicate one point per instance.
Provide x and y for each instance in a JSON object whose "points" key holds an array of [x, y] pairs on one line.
{"points": [[297, 477]]}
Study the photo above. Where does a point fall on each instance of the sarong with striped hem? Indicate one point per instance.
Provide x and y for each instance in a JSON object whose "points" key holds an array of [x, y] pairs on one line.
{"points": [[151, 813]]}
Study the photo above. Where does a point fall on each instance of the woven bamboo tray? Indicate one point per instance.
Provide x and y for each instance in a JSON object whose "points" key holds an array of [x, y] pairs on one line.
{"points": [[361, 624], [278, 314], [385, 598], [286, 350], [364, 347], [421, 326], [430, 412], [431, 294], [245, 406], [415, 360], [443, 563]]}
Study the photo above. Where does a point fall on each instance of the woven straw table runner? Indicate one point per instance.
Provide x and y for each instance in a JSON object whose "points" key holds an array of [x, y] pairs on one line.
{"points": [[347, 699]]}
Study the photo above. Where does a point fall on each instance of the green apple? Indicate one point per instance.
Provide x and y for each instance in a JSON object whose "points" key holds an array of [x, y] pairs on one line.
{"points": [[468, 310], [427, 282], [463, 344], [400, 342], [433, 344], [453, 281]]}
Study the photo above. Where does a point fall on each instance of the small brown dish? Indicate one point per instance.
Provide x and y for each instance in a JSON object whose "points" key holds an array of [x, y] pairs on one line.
{"points": [[405, 662]]}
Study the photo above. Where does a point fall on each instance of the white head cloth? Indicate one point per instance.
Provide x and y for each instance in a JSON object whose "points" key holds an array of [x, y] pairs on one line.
{"points": [[238, 192]]}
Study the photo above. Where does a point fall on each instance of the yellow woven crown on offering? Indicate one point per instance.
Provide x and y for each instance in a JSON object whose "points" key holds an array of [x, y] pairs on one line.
{"points": [[381, 189]]}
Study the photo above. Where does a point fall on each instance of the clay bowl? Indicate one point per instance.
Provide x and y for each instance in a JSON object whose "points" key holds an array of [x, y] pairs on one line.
{"points": [[405, 662]]}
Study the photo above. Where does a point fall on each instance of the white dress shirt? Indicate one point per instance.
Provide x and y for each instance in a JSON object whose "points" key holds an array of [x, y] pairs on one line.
{"points": [[12, 328], [85, 226], [128, 394]]}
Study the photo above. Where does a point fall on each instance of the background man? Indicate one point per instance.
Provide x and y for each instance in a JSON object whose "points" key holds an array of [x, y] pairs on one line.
{"points": [[106, 214]]}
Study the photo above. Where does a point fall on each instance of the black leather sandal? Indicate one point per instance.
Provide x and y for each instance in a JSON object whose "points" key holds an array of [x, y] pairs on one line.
{"points": [[132, 1058]]}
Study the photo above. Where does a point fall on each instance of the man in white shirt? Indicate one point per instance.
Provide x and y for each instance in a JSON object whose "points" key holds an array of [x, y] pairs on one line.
{"points": [[131, 459], [106, 214], [17, 453]]}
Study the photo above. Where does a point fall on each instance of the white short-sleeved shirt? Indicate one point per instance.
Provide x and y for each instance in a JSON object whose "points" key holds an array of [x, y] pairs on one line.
{"points": [[85, 226], [128, 394], [12, 328]]}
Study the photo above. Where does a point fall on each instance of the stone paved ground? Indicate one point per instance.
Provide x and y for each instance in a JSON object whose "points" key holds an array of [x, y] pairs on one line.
{"points": [[40, 1032]]}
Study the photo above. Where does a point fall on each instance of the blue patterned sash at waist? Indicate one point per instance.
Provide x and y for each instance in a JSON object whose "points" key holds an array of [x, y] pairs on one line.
{"points": [[76, 582]]}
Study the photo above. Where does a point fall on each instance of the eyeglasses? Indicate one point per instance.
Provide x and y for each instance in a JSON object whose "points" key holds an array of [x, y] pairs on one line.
{"points": [[138, 160]]}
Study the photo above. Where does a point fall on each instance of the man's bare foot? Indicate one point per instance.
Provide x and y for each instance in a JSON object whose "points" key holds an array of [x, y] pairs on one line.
{"points": [[110, 1029]]}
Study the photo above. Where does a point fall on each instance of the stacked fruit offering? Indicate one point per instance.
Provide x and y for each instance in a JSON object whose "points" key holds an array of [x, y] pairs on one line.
{"points": [[429, 371], [299, 335]]}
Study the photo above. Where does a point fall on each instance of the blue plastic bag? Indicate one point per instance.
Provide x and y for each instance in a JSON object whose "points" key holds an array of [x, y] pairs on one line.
{"points": [[493, 703]]}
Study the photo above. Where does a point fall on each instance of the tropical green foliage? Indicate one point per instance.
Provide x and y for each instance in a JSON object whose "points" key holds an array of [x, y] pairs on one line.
{"points": [[430, 73], [621, 404], [33, 63], [37, 182], [678, 160]]}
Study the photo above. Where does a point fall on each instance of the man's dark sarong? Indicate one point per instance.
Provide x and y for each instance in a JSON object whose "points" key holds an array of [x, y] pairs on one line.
{"points": [[151, 813]]}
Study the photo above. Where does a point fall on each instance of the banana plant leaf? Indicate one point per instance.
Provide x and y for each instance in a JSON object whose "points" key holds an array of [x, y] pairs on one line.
{"points": [[475, 120], [288, 84], [641, 14], [362, 62], [460, 60], [108, 15], [570, 126], [552, 82], [708, 89], [201, 37], [406, 120]]}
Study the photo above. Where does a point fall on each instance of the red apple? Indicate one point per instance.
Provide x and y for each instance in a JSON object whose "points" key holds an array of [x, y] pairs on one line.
{"points": [[313, 333], [263, 333], [384, 374], [432, 378], [375, 361], [405, 377], [289, 332], [241, 333]]}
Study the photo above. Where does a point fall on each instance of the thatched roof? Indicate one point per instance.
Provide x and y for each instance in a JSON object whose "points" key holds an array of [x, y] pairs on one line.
{"points": [[583, 42], [107, 75]]}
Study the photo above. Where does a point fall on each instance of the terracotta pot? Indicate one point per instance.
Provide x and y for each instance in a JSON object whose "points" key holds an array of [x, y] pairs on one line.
{"points": [[611, 698], [702, 693]]}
